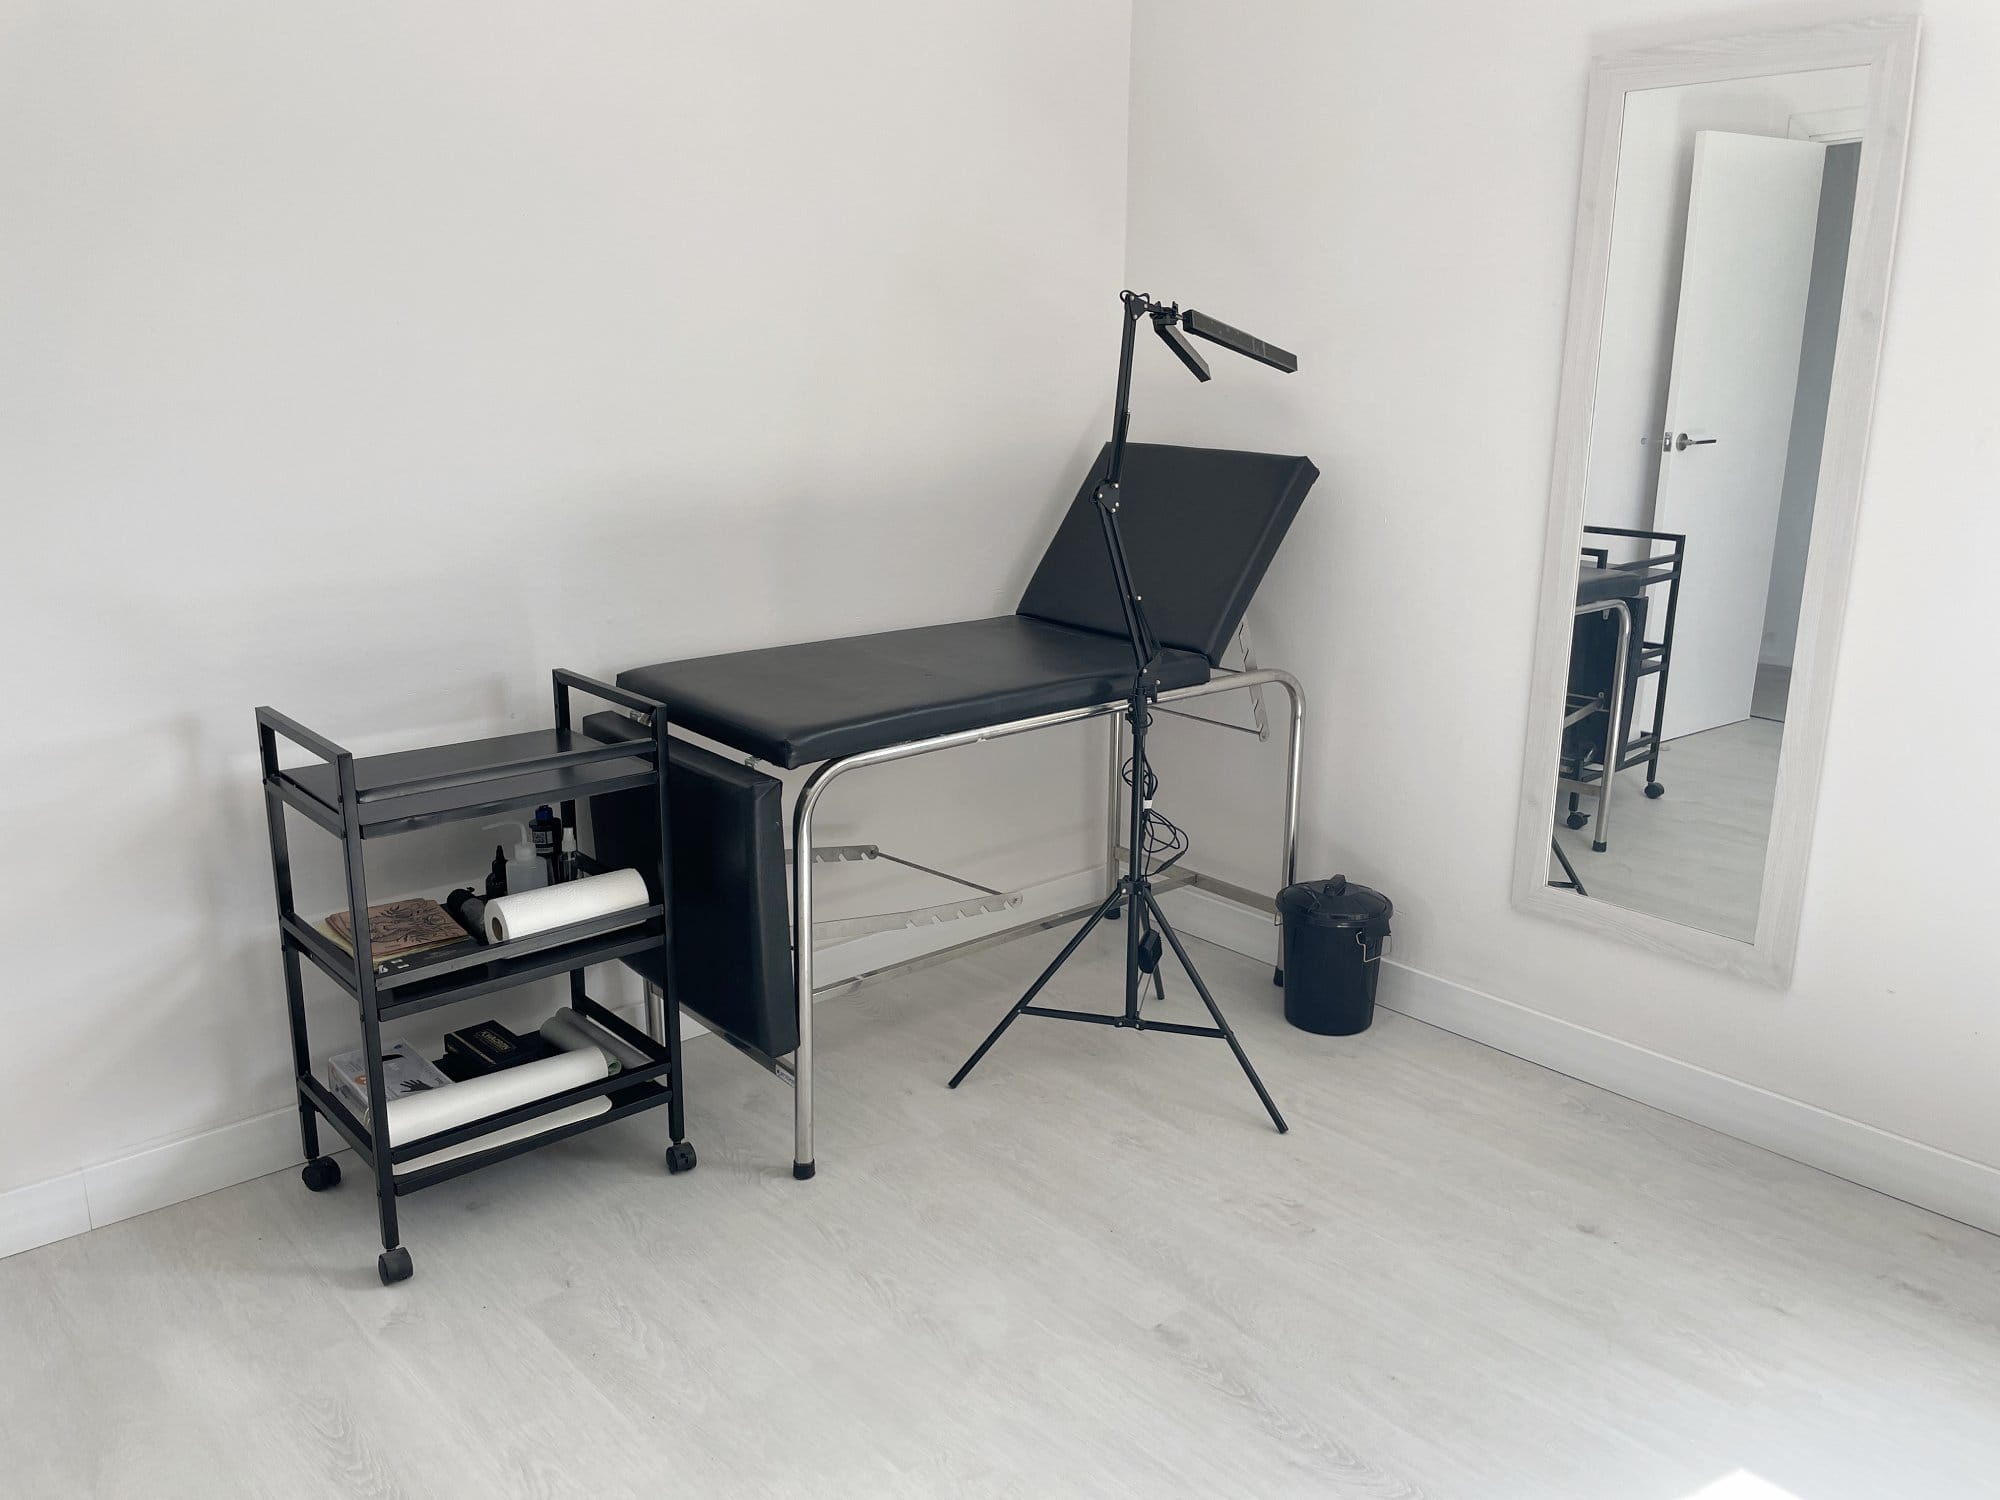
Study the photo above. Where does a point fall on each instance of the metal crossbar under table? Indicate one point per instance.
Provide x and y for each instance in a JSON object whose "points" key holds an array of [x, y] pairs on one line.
{"points": [[796, 1067]]}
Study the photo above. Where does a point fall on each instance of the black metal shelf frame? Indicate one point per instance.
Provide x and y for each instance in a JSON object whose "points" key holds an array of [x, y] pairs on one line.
{"points": [[1652, 658], [360, 798]]}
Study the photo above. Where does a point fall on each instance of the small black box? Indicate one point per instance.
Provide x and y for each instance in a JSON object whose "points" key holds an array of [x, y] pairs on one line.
{"points": [[488, 1046]]}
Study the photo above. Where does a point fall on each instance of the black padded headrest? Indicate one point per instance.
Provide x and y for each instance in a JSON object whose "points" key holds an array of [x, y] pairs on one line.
{"points": [[1200, 525]]}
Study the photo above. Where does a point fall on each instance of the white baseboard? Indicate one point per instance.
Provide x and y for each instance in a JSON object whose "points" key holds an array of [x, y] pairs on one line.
{"points": [[195, 1164], [1940, 1181], [43, 1212], [1225, 923]]}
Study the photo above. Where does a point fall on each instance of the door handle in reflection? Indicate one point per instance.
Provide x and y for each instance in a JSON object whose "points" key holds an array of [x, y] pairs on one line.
{"points": [[1684, 442]]}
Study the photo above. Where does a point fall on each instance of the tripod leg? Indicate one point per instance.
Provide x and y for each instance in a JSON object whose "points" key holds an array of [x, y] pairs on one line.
{"points": [[1117, 895], [1555, 846], [1214, 1010]]}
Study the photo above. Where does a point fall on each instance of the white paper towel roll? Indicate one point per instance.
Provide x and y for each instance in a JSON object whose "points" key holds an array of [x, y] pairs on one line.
{"points": [[552, 906], [413, 1116]]}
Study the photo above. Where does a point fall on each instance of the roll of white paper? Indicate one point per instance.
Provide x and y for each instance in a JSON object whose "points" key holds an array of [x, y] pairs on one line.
{"points": [[572, 1031], [564, 1029], [413, 1116], [530, 912], [553, 1120]]}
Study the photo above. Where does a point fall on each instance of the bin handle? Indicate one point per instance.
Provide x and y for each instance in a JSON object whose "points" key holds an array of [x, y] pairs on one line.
{"points": [[1361, 941]]}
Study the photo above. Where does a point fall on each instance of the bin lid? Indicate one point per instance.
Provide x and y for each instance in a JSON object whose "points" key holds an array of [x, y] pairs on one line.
{"points": [[1335, 903]]}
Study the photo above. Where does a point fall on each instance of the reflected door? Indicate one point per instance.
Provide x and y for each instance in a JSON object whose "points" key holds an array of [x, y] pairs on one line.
{"points": [[1753, 212]]}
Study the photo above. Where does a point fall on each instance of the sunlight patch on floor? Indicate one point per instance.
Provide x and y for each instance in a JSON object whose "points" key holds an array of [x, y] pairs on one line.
{"points": [[1742, 1485]]}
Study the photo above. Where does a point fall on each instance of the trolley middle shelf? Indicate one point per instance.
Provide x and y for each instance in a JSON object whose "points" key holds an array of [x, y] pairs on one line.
{"points": [[407, 987]]}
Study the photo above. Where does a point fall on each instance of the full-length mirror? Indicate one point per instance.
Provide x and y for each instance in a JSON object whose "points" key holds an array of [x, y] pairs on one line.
{"points": [[1732, 270]]}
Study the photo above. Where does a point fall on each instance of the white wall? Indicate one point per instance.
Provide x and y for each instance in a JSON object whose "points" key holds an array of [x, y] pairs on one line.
{"points": [[1391, 190], [371, 359]]}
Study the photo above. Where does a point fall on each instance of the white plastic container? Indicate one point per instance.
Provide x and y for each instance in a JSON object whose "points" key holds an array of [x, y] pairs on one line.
{"points": [[526, 869]]}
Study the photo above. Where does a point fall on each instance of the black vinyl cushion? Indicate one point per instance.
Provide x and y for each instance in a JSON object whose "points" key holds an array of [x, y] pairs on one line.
{"points": [[1593, 658], [1201, 526], [731, 936], [793, 705], [1596, 585]]}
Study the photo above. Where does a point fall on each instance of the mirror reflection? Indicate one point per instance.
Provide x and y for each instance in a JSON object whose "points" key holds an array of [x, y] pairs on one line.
{"points": [[1729, 248]]}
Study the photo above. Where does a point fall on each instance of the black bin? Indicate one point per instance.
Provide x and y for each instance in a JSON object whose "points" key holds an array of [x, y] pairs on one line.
{"points": [[1334, 936]]}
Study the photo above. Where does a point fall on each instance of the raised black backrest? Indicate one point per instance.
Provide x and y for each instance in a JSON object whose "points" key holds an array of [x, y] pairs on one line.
{"points": [[1200, 525]]}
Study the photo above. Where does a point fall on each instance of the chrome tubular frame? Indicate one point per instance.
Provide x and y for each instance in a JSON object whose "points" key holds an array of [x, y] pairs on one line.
{"points": [[1614, 726], [800, 1062]]}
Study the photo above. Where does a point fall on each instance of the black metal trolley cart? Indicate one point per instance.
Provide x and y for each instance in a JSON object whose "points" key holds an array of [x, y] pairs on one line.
{"points": [[358, 800], [1601, 698]]}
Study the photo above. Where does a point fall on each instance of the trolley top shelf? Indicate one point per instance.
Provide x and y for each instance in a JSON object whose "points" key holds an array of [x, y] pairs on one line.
{"points": [[412, 789]]}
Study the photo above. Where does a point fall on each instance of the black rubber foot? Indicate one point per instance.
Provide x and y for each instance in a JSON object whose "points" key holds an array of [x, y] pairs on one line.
{"points": [[394, 1266], [1599, 848], [1116, 914], [321, 1173], [680, 1157], [803, 1169], [1278, 977], [1655, 789], [1576, 820]]}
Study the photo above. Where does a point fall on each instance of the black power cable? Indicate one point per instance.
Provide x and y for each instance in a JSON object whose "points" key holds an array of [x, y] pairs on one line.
{"points": [[1161, 840]]}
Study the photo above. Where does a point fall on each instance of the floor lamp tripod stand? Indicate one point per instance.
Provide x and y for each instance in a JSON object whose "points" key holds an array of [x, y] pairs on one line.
{"points": [[1134, 889]]}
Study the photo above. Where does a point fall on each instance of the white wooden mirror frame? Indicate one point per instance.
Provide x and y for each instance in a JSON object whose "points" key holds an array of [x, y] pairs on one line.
{"points": [[1888, 47]]}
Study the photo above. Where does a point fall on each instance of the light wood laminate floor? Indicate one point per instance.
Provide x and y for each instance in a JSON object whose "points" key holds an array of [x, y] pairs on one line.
{"points": [[1696, 855], [1093, 1271]]}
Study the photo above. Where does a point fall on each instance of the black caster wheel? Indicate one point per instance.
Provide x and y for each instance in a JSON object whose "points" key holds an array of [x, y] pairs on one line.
{"points": [[321, 1173], [394, 1266], [680, 1157], [1576, 820], [1655, 789]]}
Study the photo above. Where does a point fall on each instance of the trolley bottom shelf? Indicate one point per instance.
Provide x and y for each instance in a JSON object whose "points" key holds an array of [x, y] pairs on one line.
{"points": [[625, 1102]]}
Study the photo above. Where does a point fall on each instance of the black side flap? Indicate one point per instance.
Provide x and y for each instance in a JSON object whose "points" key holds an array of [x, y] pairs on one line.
{"points": [[731, 926]]}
